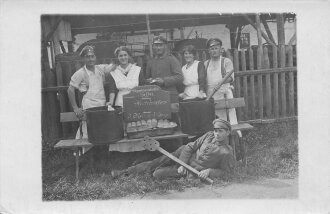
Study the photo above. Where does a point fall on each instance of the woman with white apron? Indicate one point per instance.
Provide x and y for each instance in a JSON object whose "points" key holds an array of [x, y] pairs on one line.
{"points": [[217, 67], [194, 75], [89, 80], [126, 75]]}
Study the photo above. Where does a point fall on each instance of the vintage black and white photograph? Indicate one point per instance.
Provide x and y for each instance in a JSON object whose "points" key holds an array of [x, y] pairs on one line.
{"points": [[169, 106], [164, 107]]}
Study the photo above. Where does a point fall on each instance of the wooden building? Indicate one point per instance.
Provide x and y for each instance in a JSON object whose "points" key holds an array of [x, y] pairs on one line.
{"points": [[265, 75]]}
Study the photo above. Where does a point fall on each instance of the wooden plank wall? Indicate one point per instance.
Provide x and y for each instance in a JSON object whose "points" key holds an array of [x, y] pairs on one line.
{"points": [[257, 79]]}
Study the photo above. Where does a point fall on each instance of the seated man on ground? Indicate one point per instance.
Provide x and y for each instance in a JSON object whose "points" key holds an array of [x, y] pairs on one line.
{"points": [[210, 155]]}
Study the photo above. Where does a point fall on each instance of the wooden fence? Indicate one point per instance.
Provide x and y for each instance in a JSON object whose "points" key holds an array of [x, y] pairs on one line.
{"points": [[266, 77]]}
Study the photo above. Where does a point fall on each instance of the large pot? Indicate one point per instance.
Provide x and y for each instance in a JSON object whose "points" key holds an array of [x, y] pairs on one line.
{"points": [[196, 116], [104, 126]]}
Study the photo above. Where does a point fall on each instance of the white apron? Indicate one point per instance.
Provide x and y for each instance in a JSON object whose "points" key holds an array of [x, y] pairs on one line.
{"points": [[190, 80], [125, 83], [214, 76], [94, 97]]}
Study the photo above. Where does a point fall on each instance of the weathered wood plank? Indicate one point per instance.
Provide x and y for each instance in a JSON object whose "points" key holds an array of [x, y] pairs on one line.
{"points": [[291, 82], [241, 126], [237, 82], [252, 90], [275, 83], [266, 71], [260, 87], [59, 77], [72, 143], [245, 85], [268, 85], [259, 66], [282, 81], [230, 103]]}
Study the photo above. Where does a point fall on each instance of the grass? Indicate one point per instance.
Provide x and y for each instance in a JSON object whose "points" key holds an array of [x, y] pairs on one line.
{"points": [[272, 152]]}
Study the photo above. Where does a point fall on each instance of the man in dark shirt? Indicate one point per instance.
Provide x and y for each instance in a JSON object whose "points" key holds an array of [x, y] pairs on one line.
{"points": [[164, 69], [210, 154]]}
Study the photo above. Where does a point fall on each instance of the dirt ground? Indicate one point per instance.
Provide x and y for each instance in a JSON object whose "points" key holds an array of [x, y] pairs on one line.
{"points": [[273, 188]]}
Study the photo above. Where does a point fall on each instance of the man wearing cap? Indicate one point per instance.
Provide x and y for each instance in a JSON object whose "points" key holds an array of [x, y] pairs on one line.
{"points": [[217, 67], [164, 69], [210, 154], [90, 81]]}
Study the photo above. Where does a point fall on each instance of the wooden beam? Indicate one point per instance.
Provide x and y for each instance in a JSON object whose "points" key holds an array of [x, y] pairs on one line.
{"points": [[149, 39], [189, 34], [280, 29], [262, 33], [293, 39], [181, 33], [54, 27], [232, 34], [258, 25], [62, 47], [229, 103], [269, 33], [238, 36]]}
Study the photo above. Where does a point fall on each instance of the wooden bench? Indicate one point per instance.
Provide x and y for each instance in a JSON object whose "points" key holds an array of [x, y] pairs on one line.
{"points": [[227, 104], [132, 145], [129, 145]]}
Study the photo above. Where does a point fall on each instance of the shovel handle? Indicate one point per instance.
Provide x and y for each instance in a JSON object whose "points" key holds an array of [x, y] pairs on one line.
{"points": [[153, 145], [189, 168], [217, 87]]}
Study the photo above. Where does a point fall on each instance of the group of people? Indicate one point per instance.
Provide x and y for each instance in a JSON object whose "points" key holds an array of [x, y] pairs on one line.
{"points": [[164, 70]]}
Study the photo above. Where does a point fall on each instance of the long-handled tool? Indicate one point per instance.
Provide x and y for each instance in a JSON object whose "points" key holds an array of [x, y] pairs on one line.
{"points": [[153, 145], [217, 87]]}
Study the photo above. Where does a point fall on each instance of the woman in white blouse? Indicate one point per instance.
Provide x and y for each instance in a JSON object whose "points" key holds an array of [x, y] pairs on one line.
{"points": [[126, 75], [194, 75]]}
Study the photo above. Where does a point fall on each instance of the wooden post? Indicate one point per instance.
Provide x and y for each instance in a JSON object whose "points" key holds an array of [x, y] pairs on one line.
{"points": [[59, 77], [291, 82], [245, 86], [253, 102], [280, 29], [275, 83], [232, 31], [281, 43], [237, 82], [181, 33], [269, 33], [259, 66], [69, 74], [268, 85], [149, 36], [262, 33], [51, 127]]}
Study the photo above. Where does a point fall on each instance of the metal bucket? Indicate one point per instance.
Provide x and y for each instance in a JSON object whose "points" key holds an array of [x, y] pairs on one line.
{"points": [[196, 116], [104, 126]]}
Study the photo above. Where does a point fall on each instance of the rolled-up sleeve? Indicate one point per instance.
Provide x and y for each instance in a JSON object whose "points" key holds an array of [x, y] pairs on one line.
{"points": [[76, 79]]}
